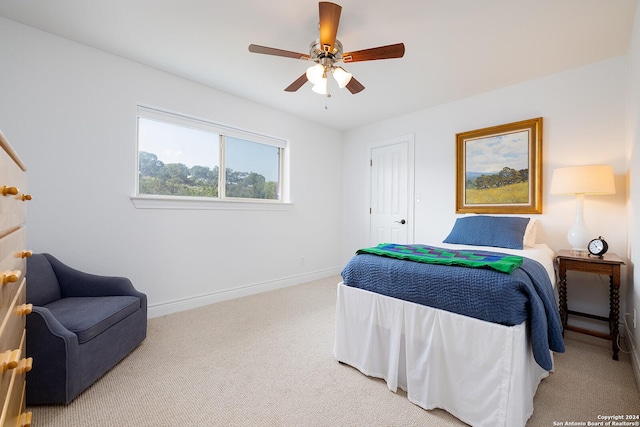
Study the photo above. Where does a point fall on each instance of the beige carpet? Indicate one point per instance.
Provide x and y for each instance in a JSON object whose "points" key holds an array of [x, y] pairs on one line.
{"points": [[267, 360]]}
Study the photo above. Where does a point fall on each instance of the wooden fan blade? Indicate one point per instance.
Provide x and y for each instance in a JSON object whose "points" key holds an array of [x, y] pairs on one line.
{"points": [[354, 86], [297, 84], [382, 52], [329, 20], [254, 48]]}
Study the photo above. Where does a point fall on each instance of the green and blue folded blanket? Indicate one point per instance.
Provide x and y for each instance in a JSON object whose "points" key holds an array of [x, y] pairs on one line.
{"points": [[433, 255]]}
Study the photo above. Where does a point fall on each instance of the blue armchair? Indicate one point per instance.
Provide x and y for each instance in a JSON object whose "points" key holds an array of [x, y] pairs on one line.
{"points": [[80, 327]]}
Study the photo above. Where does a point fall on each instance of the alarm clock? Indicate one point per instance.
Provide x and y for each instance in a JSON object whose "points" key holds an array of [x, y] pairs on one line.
{"points": [[598, 247]]}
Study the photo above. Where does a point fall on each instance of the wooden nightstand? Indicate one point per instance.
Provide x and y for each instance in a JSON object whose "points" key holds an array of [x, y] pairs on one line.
{"points": [[609, 264]]}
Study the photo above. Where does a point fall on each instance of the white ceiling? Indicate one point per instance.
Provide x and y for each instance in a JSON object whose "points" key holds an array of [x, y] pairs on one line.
{"points": [[454, 48]]}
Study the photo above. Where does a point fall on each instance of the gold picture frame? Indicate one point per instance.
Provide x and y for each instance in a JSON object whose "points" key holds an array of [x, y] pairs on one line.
{"points": [[499, 169]]}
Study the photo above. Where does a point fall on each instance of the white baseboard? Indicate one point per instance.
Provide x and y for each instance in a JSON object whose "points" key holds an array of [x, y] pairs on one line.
{"points": [[164, 308], [635, 364], [634, 355]]}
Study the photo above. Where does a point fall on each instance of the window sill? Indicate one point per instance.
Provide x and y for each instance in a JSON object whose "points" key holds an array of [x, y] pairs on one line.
{"points": [[198, 203]]}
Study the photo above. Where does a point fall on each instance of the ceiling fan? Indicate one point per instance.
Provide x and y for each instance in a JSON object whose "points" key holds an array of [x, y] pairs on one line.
{"points": [[327, 51]]}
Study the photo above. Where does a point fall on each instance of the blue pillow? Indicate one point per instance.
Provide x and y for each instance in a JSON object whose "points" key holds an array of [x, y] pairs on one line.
{"points": [[482, 230]]}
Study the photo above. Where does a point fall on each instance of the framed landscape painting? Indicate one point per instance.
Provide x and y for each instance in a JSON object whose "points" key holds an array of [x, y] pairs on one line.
{"points": [[499, 169]]}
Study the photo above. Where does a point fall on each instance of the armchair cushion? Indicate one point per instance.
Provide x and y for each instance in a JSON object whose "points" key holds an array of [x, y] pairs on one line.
{"points": [[90, 316]]}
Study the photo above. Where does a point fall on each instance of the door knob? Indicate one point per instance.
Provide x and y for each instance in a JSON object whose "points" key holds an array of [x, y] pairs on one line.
{"points": [[402, 221]]}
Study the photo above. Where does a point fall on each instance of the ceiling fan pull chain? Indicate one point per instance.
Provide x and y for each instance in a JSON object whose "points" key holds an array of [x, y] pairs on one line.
{"points": [[326, 102]]}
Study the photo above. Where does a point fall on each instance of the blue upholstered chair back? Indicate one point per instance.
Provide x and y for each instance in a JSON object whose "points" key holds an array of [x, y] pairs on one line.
{"points": [[43, 287]]}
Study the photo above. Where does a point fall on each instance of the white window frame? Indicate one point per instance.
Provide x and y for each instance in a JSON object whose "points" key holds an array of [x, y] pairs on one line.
{"points": [[152, 201]]}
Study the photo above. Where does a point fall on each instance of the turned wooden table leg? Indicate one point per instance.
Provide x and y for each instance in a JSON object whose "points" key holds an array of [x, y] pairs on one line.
{"points": [[562, 293], [614, 313]]}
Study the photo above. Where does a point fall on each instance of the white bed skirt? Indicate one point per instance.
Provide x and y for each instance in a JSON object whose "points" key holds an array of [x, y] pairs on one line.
{"points": [[480, 372]]}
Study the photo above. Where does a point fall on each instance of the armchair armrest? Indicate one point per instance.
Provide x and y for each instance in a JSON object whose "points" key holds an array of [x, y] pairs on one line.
{"points": [[49, 325], [57, 352]]}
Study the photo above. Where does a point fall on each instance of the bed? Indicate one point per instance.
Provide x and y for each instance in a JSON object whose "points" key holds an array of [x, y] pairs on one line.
{"points": [[483, 369]]}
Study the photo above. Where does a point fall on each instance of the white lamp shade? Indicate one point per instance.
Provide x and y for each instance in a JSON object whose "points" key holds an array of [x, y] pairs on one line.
{"points": [[320, 87], [315, 74], [342, 77], [592, 179]]}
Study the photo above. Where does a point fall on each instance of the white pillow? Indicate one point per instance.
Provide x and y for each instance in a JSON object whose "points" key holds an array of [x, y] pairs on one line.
{"points": [[529, 238]]}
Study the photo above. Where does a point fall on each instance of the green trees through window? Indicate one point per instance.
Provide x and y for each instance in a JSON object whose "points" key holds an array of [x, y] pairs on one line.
{"points": [[176, 179]]}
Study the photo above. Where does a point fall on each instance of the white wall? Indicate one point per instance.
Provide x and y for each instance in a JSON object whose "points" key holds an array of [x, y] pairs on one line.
{"points": [[70, 112], [633, 150], [583, 114]]}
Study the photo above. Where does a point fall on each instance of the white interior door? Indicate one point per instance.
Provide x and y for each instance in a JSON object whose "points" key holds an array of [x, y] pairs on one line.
{"points": [[391, 211]]}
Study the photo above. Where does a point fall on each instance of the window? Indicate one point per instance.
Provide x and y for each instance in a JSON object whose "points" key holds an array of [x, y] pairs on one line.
{"points": [[251, 169], [181, 157]]}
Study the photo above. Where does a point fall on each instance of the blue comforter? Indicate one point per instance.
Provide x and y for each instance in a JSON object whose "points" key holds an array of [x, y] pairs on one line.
{"points": [[507, 299]]}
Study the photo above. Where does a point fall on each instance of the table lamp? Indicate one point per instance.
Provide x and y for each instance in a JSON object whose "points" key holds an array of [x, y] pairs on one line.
{"points": [[579, 181]]}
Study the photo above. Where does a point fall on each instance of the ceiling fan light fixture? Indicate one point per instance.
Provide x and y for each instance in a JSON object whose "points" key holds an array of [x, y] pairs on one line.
{"points": [[315, 74], [342, 76], [327, 51], [320, 87]]}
